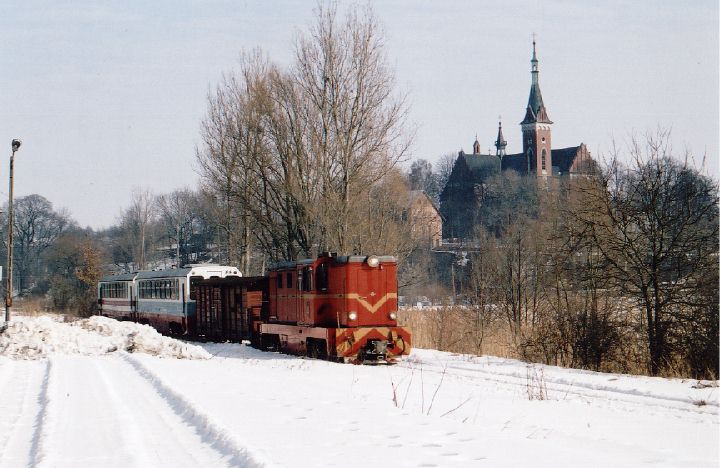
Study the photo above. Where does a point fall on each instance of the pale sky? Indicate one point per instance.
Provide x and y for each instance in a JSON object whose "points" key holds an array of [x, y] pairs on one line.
{"points": [[110, 95]]}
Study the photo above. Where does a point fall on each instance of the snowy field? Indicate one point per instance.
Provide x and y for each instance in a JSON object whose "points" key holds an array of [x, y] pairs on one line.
{"points": [[99, 393]]}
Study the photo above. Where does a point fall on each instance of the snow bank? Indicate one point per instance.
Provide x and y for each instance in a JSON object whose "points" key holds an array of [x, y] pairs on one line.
{"points": [[36, 338]]}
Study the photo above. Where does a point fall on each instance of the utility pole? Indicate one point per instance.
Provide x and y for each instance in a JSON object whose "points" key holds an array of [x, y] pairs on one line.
{"points": [[8, 289]]}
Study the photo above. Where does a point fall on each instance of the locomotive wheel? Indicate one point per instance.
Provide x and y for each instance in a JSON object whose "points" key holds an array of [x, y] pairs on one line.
{"points": [[316, 349], [269, 342]]}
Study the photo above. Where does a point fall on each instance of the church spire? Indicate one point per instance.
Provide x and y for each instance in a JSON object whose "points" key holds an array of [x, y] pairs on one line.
{"points": [[537, 127], [500, 143], [535, 112]]}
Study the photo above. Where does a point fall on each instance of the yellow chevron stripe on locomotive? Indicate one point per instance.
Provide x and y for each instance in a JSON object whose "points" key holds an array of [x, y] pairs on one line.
{"points": [[368, 343]]}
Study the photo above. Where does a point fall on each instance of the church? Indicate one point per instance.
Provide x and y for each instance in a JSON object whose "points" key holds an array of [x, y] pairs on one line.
{"points": [[538, 159]]}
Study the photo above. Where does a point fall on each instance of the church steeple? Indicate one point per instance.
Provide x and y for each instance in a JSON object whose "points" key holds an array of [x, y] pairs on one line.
{"points": [[476, 146], [500, 143], [536, 127], [535, 111]]}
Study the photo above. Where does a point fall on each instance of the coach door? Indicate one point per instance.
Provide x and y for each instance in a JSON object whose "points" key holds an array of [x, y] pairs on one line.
{"points": [[132, 301]]}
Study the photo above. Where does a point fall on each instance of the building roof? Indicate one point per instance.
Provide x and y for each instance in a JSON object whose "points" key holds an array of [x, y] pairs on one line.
{"points": [[420, 195], [482, 163], [561, 160], [564, 158], [516, 162]]}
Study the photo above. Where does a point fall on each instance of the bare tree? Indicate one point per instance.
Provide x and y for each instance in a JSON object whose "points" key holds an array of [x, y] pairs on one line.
{"points": [[136, 225], [183, 225], [37, 227], [655, 223], [422, 177], [73, 266], [354, 126], [234, 145], [297, 152], [443, 169]]}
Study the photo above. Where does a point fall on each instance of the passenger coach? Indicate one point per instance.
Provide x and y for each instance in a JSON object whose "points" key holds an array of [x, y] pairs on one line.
{"points": [[165, 299]]}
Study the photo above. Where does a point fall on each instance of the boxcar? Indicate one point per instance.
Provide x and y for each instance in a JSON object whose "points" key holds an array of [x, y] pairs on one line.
{"points": [[231, 309]]}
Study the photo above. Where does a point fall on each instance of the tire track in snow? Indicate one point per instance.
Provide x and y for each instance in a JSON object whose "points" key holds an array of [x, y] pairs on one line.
{"points": [[216, 436], [15, 441], [98, 411], [42, 421], [126, 440]]}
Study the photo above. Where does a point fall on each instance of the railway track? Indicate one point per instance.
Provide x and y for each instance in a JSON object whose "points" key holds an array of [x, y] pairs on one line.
{"points": [[599, 391]]}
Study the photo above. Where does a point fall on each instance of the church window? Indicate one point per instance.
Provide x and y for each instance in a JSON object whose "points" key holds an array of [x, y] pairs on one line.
{"points": [[542, 158]]}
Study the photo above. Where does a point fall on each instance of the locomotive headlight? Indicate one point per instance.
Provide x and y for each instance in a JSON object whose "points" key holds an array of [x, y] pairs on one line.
{"points": [[393, 315], [373, 261], [352, 316]]}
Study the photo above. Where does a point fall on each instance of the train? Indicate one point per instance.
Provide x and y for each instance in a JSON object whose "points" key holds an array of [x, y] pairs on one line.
{"points": [[336, 307]]}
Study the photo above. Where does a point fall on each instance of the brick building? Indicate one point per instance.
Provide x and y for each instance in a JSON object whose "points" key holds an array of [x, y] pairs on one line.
{"points": [[459, 198], [425, 219]]}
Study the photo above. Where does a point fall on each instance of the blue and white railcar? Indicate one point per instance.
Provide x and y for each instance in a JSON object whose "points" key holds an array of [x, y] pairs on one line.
{"points": [[116, 296]]}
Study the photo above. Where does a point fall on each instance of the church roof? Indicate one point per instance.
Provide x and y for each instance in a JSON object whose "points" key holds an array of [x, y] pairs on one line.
{"points": [[562, 160], [482, 164], [516, 162]]}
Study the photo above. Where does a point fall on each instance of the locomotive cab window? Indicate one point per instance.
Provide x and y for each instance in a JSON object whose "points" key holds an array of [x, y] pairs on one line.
{"points": [[308, 278], [322, 277]]}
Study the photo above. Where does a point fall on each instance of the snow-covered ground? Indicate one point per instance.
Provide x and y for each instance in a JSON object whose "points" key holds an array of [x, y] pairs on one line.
{"points": [[104, 393]]}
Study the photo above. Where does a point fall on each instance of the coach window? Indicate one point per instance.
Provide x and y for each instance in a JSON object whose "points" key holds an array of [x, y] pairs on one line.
{"points": [[278, 279], [322, 277], [288, 280]]}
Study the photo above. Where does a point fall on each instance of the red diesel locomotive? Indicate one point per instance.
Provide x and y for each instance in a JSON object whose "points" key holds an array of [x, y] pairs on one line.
{"points": [[341, 308]]}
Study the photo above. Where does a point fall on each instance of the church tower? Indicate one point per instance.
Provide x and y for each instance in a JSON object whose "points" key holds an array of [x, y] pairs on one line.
{"points": [[536, 128], [500, 143]]}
